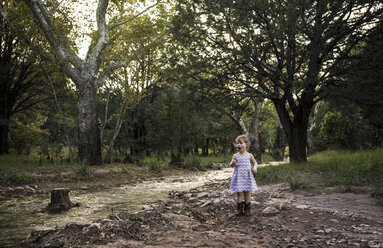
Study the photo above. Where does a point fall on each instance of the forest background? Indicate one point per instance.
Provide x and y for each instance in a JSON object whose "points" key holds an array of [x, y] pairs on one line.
{"points": [[174, 79]]}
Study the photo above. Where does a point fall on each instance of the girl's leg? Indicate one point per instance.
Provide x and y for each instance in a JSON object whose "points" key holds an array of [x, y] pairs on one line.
{"points": [[240, 203], [240, 196], [247, 197]]}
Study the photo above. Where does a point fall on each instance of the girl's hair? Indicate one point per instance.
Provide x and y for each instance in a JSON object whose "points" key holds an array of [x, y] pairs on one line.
{"points": [[243, 138]]}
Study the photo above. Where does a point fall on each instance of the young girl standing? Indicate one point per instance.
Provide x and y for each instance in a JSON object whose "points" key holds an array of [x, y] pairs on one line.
{"points": [[243, 181]]}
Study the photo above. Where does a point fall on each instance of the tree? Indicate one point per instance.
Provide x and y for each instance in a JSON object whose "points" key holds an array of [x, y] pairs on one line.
{"points": [[87, 74], [22, 83], [287, 51]]}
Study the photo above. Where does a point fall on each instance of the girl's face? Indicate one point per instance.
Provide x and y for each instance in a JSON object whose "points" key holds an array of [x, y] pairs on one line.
{"points": [[241, 146]]}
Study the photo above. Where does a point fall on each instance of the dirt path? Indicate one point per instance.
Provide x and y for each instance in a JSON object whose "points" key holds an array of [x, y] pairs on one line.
{"points": [[204, 217]]}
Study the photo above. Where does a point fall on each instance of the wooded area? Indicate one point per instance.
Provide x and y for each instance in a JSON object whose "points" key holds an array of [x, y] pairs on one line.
{"points": [[177, 78]]}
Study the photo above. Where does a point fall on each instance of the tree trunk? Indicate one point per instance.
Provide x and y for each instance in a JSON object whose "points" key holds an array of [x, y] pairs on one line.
{"points": [[116, 130], [4, 128], [205, 151], [255, 129], [280, 143], [298, 143], [89, 143], [296, 131]]}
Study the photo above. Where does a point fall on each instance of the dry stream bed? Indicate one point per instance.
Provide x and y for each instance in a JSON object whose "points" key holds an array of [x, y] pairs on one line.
{"points": [[193, 210]]}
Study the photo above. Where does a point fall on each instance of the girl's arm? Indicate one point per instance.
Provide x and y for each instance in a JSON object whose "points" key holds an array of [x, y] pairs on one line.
{"points": [[233, 161], [254, 163]]}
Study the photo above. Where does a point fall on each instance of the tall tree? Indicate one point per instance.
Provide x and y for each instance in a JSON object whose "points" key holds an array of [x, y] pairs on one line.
{"points": [[22, 86], [87, 74], [287, 51]]}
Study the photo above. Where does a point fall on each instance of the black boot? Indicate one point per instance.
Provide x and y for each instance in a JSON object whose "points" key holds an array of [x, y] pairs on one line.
{"points": [[247, 209], [240, 206]]}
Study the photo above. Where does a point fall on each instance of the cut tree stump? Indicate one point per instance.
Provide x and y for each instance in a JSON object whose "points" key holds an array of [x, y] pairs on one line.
{"points": [[59, 200]]}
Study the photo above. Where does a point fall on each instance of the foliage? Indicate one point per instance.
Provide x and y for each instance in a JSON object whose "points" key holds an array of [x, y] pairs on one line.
{"points": [[338, 129], [272, 49], [27, 129]]}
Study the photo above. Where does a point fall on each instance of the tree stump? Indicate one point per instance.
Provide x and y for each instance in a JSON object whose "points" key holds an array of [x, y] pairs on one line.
{"points": [[59, 200]]}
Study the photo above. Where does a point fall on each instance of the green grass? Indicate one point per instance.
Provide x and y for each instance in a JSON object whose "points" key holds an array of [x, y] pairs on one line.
{"points": [[19, 179], [349, 169], [331, 168], [205, 163]]}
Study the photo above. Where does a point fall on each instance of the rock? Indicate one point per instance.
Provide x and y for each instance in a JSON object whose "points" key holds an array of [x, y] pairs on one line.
{"points": [[203, 194], [226, 193], [206, 203], [270, 211], [373, 244], [41, 230], [107, 220], [302, 206], [30, 189], [284, 205], [147, 207]]}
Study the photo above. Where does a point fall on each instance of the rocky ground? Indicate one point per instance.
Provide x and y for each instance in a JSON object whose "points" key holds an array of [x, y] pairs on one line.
{"points": [[205, 217]]}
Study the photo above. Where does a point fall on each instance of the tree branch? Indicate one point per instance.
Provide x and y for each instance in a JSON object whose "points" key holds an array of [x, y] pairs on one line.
{"points": [[133, 17], [103, 37]]}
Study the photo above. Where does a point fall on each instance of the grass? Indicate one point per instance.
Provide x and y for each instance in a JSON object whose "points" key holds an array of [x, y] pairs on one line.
{"points": [[206, 163], [331, 168], [20, 178]]}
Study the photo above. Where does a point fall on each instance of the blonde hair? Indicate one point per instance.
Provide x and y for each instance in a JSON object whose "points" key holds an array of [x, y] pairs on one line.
{"points": [[243, 138]]}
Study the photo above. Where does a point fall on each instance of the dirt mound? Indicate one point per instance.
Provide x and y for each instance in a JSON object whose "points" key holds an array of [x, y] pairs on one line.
{"points": [[205, 217]]}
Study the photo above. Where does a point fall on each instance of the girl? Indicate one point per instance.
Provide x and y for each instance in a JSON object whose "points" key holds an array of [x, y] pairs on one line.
{"points": [[243, 181]]}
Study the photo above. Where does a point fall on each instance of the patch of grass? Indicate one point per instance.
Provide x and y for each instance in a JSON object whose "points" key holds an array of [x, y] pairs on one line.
{"points": [[297, 181], [349, 168], [83, 170], [19, 179], [193, 162], [269, 174], [267, 158], [338, 168], [216, 159], [155, 166]]}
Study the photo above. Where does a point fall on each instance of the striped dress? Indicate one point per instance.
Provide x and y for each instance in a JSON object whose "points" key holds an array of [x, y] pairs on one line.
{"points": [[243, 179]]}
